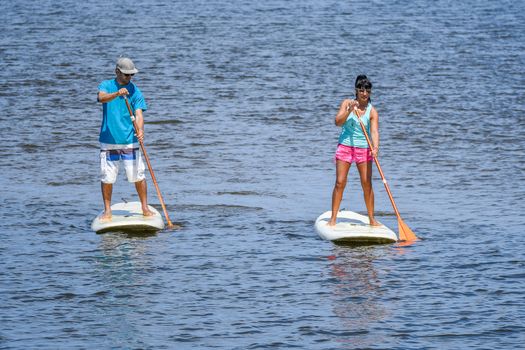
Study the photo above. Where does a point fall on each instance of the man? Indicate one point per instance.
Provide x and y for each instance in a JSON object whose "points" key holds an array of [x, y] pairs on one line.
{"points": [[118, 141]]}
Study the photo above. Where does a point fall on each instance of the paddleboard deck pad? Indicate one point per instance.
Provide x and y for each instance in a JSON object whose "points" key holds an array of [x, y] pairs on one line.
{"points": [[128, 217], [353, 228]]}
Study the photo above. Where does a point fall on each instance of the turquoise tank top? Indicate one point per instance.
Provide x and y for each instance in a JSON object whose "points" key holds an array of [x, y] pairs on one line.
{"points": [[352, 134]]}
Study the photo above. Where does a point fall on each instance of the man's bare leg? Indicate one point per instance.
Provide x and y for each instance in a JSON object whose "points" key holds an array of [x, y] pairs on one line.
{"points": [[142, 191], [107, 190]]}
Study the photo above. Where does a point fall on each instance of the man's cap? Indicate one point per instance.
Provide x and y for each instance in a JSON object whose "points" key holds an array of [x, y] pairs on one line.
{"points": [[126, 66]]}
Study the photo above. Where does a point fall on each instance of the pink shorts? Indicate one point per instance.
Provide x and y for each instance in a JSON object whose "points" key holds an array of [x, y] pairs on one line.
{"points": [[351, 154]]}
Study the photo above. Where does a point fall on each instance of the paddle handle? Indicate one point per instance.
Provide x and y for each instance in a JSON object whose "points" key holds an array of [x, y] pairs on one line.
{"points": [[143, 148], [378, 166]]}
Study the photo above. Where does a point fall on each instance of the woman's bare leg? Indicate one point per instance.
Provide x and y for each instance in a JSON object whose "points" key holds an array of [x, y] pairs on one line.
{"points": [[341, 169], [365, 174]]}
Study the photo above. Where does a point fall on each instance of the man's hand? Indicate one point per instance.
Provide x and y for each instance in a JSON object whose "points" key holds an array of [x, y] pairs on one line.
{"points": [[122, 92], [140, 135]]}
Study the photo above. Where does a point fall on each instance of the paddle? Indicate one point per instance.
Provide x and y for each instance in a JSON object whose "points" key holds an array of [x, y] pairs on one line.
{"points": [[405, 233], [132, 116]]}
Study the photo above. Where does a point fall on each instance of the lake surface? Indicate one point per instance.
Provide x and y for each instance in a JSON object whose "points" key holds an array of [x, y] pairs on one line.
{"points": [[240, 132]]}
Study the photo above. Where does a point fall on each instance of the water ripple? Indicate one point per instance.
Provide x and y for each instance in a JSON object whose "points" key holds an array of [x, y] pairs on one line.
{"points": [[240, 133]]}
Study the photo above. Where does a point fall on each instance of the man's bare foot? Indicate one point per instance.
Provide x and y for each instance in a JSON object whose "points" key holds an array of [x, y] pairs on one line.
{"points": [[374, 222], [331, 223], [147, 212], [105, 216]]}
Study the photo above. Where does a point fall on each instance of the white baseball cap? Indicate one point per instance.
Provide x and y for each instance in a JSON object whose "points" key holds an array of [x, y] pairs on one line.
{"points": [[126, 66]]}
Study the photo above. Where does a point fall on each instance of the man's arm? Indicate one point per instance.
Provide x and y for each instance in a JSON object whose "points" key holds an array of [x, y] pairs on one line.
{"points": [[139, 120], [105, 97]]}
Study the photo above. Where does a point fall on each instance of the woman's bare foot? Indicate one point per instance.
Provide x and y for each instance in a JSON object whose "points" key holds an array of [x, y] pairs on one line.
{"points": [[331, 223], [374, 222], [147, 212]]}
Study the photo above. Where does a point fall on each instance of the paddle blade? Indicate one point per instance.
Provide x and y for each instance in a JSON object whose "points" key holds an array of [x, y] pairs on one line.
{"points": [[405, 233], [171, 226]]}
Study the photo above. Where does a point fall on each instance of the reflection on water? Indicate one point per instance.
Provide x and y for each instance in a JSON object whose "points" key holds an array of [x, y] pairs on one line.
{"points": [[357, 293], [240, 133], [123, 259], [121, 269]]}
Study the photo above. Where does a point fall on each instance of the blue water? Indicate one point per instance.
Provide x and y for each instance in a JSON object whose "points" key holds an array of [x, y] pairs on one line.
{"points": [[240, 132]]}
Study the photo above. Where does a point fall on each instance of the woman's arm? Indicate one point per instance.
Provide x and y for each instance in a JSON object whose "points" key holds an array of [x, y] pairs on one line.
{"points": [[344, 111], [374, 131]]}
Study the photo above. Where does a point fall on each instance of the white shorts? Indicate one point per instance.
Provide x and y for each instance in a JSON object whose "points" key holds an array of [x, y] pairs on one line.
{"points": [[110, 163]]}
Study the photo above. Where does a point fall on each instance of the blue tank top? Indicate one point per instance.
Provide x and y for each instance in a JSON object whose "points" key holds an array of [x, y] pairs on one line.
{"points": [[352, 134]]}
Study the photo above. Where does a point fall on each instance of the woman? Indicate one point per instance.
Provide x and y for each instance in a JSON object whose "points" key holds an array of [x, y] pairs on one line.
{"points": [[353, 146]]}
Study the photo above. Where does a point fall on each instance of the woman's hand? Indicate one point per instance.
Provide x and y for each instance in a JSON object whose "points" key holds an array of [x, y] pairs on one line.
{"points": [[351, 105]]}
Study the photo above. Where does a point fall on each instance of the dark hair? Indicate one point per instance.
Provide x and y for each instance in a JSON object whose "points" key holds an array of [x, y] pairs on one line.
{"points": [[362, 81]]}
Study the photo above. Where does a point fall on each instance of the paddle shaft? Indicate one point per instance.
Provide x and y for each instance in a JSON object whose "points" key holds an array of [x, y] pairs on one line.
{"points": [[135, 126], [404, 231], [378, 166]]}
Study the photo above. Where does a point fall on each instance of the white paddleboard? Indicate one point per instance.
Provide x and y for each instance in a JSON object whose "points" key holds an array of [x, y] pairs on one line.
{"points": [[128, 217], [353, 228]]}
